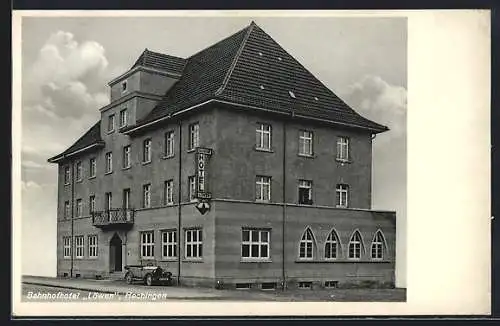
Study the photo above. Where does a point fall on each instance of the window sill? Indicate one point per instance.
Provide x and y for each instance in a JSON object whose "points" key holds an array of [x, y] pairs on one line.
{"points": [[79, 181], [146, 163], [306, 155], [67, 184], [168, 259], [305, 204], [258, 201], [341, 206], [191, 150], [126, 168], [343, 161], [192, 260], [168, 157], [266, 150], [250, 260], [110, 172], [109, 132], [92, 177]]}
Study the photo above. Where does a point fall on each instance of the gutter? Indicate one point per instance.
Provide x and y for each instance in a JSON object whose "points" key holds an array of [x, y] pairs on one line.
{"points": [[72, 248], [179, 197], [284, 206], [55, 159]]}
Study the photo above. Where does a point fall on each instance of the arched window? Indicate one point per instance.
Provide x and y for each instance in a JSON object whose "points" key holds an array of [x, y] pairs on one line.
{"points": [[306, 245], [332, 246], [378, 246], [355, 245]]}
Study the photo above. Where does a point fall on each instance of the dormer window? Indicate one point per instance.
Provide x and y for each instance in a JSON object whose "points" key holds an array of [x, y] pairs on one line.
{"points": [[124, 86]]}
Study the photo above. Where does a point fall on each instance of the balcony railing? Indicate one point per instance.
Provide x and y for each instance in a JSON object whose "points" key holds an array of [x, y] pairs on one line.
{"points": [[113, 217]]}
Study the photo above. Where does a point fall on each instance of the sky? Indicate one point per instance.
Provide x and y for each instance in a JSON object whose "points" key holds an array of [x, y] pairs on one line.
{"points": [[67, 62]]}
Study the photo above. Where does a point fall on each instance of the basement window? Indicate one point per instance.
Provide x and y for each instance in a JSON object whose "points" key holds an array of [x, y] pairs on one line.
{"points": [[243, 286], [305, 285], [331, 284], [268, 286], [291, 94], [78, 275]]}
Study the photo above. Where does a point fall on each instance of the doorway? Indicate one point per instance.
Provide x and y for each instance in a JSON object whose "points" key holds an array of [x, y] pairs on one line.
{"points": [[115, 254]]}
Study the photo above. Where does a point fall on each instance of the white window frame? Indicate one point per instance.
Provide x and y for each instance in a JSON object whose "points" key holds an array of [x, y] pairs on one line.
{"points": [[192, 188], [146, 150], [263, 183], [306, 143], [168, 189], [67, 175], [79, 171], [305, 184], [66, 247], [123, 118], [262, 130], [147, 245], [79, 207], [92, 246], [342, 195], [79, 246], [169, 244], [67, 209], [259, 242], [356, 243], [377, 247], [169, 143], [126, 157], [126, 198], [193, 244], [333, 241], [308, 243], [91, 204], [194, 136], [92, 167], [108, 201], [109, 162], [343, 148], [146, 196], [111, 123]]}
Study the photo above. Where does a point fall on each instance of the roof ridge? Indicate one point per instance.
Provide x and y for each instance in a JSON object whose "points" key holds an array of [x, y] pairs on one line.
{"points": [[235, 60]]}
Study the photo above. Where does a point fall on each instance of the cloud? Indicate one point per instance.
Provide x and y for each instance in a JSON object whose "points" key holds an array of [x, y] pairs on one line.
{"points": [[376, 99], [27, 185]]}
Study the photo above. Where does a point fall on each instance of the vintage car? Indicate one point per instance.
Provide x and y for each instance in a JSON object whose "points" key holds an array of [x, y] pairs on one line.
{"points": [[149, 274]]}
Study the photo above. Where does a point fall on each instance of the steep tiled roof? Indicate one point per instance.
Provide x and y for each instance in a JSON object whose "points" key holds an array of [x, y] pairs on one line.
{"points": [[250, 68], [160, 61], [92, 136]]}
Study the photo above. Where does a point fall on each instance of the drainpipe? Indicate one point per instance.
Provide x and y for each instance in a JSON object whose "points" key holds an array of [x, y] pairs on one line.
{"points": [[72, 215], [179, 199], [284, 205]]}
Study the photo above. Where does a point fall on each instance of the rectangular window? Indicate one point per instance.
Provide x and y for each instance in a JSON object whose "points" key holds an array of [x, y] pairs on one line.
{"points": [[305, 192], [192, 188], [305, 285], [146, 195], [342, 195], [146, 151], [123, 118], [306, 143], [194, 243], [66, 175], [126, 157], [343, 148], [111, 123], [169, 244], [109, 162], [92, 246], [263, 136], [67, 209], [169, 144], [124, 86], [147, 244], [91, 204], [79, 246], [108, 203], [168, 196], [194, 136], [92, 167], [126, 198], [79, 171], [263, 188], [67, 247], [79, 208], [255, 244]]}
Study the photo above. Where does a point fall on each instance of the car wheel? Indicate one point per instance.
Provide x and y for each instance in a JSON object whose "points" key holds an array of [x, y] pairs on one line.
{"points": [[128, 278], [149, 280]]}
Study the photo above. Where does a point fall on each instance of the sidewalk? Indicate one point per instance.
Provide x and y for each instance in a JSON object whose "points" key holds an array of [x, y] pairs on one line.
{"points": [[121, 288]]}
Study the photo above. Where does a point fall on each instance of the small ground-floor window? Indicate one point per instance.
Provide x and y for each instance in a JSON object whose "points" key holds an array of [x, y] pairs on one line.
{"points": [[79, 246], [92, 243], [194, 243], [255, 244], [67, 247], [147, 244]]}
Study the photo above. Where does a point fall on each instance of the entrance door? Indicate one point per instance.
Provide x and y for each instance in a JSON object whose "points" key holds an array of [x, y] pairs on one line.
{"points": [[115, 254]]}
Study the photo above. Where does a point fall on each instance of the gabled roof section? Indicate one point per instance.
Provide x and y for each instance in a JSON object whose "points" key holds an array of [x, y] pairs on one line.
{"points": [[90, 138], [160, 61], [249, 68]]}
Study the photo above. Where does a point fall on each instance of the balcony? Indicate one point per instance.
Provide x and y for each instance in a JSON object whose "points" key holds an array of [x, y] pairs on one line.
{"points": [[113, 218]]}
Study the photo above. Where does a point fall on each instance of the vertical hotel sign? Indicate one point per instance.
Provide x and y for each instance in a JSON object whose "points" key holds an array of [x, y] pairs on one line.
{"points": [[202, 157]]}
